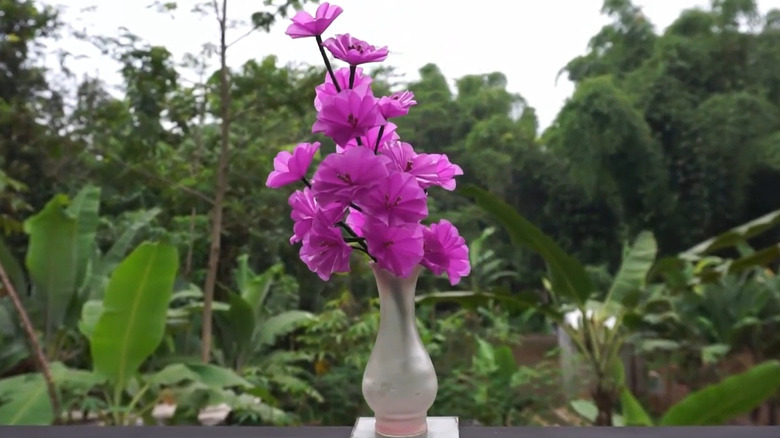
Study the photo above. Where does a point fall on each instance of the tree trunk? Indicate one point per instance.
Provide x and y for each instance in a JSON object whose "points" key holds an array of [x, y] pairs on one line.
{"points": [[219, 197], [603, 399]]}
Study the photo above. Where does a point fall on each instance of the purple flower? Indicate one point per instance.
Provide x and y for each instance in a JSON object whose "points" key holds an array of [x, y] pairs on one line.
{"points": [[446, 251], [343, 177], [429, 169], [395, 200], [396, 104], [324, 251], [361, 85], [347, 115], [356, 220], [305, 208], [370, 139], [436, 170], [291, 167], [398, 249], [354, 51], [304, 25]]}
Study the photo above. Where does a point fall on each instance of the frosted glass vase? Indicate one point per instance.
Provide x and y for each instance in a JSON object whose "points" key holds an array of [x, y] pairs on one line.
{"points": [[399, 382]]}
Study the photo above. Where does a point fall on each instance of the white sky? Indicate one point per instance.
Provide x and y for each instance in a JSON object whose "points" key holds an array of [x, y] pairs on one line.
{"points": [[529, 41]]}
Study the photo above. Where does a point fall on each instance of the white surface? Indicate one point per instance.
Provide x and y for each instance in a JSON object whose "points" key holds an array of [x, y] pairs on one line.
{"points": [[438, 427]]}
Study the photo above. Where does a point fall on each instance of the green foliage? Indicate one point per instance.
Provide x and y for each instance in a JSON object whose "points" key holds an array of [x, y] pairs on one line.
{"points": [[132, 320]]}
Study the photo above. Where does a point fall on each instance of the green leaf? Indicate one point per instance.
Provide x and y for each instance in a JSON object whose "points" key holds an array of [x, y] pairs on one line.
{"points": [[52, 260], [90, 315], [633, 412], [712, 354], [735, 395], [735, 236], [171, 375], [507, 366], [237, 327], [106, 264], [568, 276], [217, 376], [12, 269], [24, 401], [585, 408], [85, 209], [132, 324], [280, 325], [633, 270]]}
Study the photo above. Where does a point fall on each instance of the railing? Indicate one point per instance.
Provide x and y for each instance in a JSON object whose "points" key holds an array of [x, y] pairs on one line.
{"points": [[345, 432]]}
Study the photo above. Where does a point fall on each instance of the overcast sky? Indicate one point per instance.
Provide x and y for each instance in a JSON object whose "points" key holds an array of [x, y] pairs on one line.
{"points": [[529, 41]]}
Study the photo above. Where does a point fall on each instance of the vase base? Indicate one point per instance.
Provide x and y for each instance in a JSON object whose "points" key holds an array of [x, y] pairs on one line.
{"points": [[437, 427]]}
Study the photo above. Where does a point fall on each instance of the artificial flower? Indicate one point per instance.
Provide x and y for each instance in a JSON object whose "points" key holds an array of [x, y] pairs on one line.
{"points": [[291, 167], [354, 51], [395, 200], [324, 251], [446, 251], [372, 140], [396, 104], [347, 115], [303, 210], [343, 177], [361, 85], [398, 249], [304, 25]]}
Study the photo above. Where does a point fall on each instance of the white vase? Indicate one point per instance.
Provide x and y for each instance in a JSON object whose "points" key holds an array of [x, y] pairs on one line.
{"points": [[399, 382]]}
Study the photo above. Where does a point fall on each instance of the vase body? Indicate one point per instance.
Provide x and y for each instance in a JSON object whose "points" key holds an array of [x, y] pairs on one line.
{"points": [[399, 382]]}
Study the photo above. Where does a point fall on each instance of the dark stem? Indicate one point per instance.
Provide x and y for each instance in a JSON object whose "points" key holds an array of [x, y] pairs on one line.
{"points": [[352, 71], [378, 138], [353, 236], [306, 182], [363, 250], [327, 63]]}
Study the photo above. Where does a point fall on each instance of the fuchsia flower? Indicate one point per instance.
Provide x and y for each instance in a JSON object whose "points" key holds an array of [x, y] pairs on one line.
{"points": [[446, 251], [304, 25], [374, 186], [292, 167], [347, 115], [344, 177], [395, 200], [356, 220], [354, 51], [360, 85], [429, 169], [304, 208], [396, 104], [324, 251], [370, 139], [398, 249]]}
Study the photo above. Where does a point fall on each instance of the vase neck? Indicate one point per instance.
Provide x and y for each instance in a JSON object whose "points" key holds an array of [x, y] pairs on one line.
{"points": [[396, 297]]}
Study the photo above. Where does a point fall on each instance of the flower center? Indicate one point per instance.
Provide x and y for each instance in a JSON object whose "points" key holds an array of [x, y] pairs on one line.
{"points": [[357, 47], [391, 204], [345, 177], [352, 120], [409, 165], [389, 243]]}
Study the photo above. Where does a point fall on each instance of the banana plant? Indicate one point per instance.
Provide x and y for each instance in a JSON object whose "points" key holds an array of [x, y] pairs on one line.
{"points": [[710, 406], [247, 329]]}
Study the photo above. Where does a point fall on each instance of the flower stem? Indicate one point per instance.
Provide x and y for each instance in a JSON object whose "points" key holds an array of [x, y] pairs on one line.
{"points": [[361, 249], [357, 239], [306, 182], [352, 71], [327, 63], [378, 138]]}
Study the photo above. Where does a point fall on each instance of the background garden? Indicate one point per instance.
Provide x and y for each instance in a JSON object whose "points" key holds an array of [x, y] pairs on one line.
{"points": [[652, 205]]}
